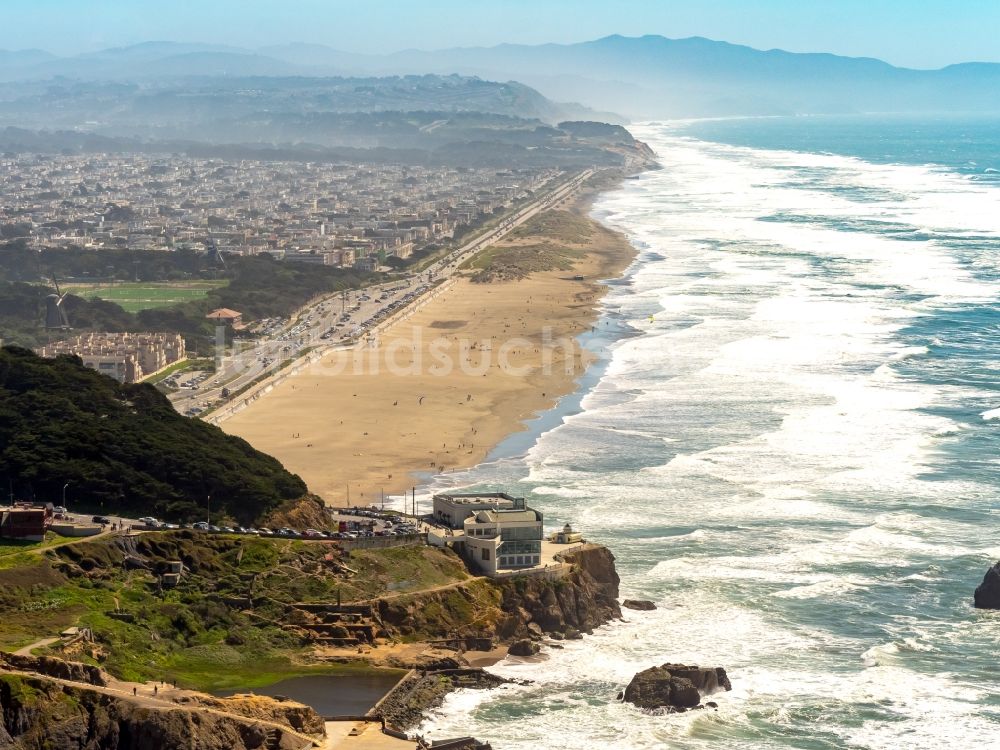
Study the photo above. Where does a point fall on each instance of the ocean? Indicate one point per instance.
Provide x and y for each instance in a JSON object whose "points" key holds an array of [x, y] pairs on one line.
{"points": [[791, 443]]}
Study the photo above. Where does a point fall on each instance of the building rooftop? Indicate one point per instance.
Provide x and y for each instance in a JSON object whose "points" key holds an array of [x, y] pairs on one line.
{"points": [[507, 516]]}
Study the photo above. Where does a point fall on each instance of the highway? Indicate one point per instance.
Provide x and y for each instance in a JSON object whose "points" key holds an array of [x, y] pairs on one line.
{"points": [[342, 319]]}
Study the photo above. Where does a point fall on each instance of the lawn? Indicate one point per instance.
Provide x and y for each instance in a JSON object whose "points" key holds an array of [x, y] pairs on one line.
{"points": [[135, 296]]}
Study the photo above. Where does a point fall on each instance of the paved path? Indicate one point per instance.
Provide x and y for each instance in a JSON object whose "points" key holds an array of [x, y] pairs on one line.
{"points": [[361, 735]]}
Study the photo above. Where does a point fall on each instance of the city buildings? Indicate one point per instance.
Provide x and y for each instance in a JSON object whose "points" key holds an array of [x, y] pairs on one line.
{"points": [[359, 215], [126, 357]]}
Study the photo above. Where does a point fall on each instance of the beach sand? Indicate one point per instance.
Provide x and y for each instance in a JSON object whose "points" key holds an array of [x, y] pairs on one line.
{"points": [[441, 387]]}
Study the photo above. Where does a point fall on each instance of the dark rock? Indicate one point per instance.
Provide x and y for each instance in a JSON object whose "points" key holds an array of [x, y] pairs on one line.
{"points": [[523, 647], [640, 604], [711, 704], [988, 592], [53, 667], [683, 693], [675, 686], [535, 629], [36, 712]]}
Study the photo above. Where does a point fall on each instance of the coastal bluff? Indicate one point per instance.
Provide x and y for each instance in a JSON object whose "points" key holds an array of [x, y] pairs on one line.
{"points": [[576, 598], [37, 711]]}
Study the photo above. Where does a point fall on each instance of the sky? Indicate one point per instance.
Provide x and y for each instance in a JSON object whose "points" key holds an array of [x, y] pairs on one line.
{"points": [[911, 33]]}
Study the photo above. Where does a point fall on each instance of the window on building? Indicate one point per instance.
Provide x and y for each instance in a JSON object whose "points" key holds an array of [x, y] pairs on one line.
{"points": [[486, 554]]}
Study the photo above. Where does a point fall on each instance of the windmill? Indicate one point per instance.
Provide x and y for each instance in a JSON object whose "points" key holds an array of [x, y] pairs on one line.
{"points": [[55, 315], [213, 256]]}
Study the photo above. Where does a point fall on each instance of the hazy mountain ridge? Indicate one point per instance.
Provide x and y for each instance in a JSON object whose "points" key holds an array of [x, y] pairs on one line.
{"points": [[642, 77]]}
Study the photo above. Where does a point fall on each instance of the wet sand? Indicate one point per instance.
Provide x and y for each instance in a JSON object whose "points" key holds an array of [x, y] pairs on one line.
{"points": [[440, 388]]}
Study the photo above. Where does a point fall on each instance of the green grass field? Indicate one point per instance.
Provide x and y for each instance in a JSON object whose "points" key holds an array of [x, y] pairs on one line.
{"points": [[136, 296]]}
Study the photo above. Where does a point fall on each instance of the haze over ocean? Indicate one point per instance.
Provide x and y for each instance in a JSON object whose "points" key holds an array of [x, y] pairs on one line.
{"points": [[791, 444]]}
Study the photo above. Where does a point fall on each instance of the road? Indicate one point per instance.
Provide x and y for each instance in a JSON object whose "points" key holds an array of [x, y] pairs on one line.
{"points": [[343, 319]]}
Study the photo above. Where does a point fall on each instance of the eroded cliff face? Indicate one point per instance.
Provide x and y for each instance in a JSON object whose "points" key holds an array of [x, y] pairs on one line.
{"points": [[37, 713], [586, 598], [567, 602]]}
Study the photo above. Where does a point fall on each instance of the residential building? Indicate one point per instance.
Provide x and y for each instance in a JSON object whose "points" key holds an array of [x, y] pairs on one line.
{"points": [[126, 357]]}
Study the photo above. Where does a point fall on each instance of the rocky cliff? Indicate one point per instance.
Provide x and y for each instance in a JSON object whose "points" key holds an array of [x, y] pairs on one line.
{"points": [[36, 713], [586, 597], [577, 597]]}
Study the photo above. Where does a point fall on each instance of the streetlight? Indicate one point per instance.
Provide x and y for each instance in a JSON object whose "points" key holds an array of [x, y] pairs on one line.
{"points": [[64, 495]]}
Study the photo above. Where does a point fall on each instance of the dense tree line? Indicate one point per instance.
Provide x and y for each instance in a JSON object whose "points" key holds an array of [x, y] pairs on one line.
{"points": [[123, 448], [258, 287]]}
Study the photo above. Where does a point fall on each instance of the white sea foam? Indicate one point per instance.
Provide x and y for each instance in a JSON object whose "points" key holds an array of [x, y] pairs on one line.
{"points": [[768, 408]]}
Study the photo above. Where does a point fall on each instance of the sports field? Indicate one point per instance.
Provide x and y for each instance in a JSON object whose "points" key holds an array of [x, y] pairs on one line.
{"points": [[136, 296]]}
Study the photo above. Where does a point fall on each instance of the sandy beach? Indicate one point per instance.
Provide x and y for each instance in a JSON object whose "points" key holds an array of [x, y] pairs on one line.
{"points": [[437, 390]]}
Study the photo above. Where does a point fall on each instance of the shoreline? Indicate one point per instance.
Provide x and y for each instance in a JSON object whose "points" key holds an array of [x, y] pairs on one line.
{"points": [[355, 425]]}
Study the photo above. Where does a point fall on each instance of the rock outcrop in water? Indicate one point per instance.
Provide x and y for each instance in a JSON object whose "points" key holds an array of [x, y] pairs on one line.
{"points": [[675, 687], [987, 594], [523, 647], [643, 605]]}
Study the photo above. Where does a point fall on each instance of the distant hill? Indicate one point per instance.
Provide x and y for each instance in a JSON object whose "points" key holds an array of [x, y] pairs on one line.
{"points": [[322, 78], [639, 77], [123, 448], [652, 76]]}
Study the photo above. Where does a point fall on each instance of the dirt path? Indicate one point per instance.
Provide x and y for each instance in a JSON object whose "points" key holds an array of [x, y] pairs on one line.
{"points": [[150, 696], [26, 651], [417, 592]]}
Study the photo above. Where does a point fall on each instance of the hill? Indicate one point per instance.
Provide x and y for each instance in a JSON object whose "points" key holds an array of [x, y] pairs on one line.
{"points": [[123, 448], [653, 76]]}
